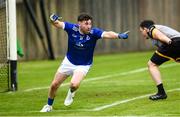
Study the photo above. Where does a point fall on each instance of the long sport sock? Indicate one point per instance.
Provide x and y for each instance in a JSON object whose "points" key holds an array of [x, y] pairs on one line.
{"points": [[160, 89], [50, 101]]}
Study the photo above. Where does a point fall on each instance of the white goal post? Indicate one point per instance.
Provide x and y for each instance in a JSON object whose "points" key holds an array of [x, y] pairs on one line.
{"points": [[12, 36]]}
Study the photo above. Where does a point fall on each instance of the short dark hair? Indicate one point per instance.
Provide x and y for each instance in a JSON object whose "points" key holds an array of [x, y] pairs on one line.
{"points": [[147, 23], [84, 17]]}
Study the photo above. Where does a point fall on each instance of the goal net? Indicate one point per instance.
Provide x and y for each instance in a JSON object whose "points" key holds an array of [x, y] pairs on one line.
{"points": [[7, 44], [4, 63]]}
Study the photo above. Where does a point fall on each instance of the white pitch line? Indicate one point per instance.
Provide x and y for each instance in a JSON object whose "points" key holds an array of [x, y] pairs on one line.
{"points": [[106, 76], [94, 79], [109, 105], [126, 100]]}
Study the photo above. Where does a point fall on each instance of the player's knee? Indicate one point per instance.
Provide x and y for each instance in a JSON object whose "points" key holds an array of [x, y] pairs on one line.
{"points": [[74, 85], [151, 64]]}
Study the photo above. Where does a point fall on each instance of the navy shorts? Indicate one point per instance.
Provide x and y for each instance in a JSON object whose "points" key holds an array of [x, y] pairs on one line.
{"points": [[167, 52]]}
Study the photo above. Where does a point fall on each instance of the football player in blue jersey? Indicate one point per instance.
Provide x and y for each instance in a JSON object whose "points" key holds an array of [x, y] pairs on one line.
{"points": [[82, 38]]}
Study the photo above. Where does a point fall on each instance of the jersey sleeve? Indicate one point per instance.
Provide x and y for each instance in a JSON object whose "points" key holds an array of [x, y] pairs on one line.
{"points": [[97, 33], [151, 31], [68, 26]]}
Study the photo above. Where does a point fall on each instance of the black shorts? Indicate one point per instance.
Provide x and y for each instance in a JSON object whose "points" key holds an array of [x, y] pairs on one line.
{"points": [[167, 52]]}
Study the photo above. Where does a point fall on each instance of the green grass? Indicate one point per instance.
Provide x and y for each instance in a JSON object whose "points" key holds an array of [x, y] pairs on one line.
{"points": [[96, 93]]}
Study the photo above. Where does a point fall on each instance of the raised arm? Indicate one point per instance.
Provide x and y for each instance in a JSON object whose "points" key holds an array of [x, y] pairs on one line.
{"points": [[55, 20], [114, 35]]}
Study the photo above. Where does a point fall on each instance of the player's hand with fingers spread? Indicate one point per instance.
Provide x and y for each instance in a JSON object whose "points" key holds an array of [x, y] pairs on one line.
{"points": [[122, 36]]}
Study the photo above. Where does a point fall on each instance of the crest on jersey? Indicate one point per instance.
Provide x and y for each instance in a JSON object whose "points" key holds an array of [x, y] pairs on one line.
{"points": [[75, 28], [87, 38]]}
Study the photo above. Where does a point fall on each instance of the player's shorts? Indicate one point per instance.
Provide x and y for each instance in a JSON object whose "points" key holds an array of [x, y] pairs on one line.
{"points": [[167, 52], [68, 68]]}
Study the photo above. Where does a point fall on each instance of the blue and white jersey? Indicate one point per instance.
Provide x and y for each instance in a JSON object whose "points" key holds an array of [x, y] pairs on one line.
{"points": [[81, 46]]}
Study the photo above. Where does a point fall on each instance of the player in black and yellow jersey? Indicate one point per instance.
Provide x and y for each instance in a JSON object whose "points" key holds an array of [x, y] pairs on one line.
{"points": [[167, 41]]}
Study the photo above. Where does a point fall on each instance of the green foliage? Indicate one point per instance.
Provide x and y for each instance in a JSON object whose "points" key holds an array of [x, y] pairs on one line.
{"points": [[95, 93]]}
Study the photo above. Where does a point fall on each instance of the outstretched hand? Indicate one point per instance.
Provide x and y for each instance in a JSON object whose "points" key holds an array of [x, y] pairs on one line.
{"points": [[122, 36], [53, 17]]}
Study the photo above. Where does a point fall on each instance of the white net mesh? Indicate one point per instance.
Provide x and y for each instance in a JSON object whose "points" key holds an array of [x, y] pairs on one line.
{"points": [[4, 65]]}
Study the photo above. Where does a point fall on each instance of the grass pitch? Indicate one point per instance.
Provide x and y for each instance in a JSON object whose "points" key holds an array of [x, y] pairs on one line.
{"points": [[116, 85]]}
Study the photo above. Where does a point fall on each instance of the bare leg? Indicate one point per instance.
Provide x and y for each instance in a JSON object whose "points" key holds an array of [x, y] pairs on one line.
{"points": [[75, 83], [155, 73], [58, 80], [156, 76], [76, 80]]}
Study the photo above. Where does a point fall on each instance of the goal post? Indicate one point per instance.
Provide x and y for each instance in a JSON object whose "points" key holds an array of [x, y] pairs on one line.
{"points": [[12, 35], [8, 46]]}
